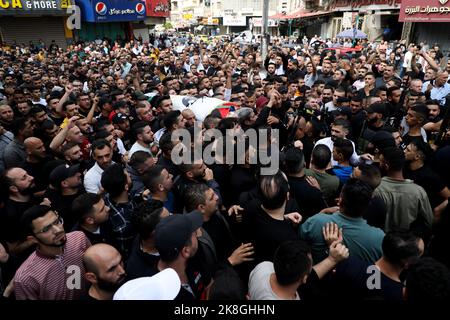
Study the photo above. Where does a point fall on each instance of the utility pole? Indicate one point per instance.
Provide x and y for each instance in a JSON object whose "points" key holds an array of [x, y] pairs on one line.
{"points": [[265, 30]]}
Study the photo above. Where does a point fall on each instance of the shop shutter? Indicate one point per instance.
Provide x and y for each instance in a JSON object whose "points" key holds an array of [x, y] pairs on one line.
{"points": [[26, 29]]}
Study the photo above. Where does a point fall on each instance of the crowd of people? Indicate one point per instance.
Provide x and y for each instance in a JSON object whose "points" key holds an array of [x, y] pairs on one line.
{"points": [[94, 206]]}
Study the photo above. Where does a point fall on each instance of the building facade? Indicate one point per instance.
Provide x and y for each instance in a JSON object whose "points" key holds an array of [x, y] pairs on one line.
{"points": [[426, 21], [22, 21]]}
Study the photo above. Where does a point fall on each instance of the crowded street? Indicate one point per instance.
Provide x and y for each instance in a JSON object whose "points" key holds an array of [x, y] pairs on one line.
{"points": [[188, 151]]}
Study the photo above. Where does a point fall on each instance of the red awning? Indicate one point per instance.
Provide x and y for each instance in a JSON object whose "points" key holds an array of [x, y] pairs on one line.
{"points": [[298, 14]]}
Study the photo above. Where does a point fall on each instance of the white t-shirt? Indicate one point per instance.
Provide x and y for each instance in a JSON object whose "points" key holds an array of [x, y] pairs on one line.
{"points": [[259, 287], [137, 147]]}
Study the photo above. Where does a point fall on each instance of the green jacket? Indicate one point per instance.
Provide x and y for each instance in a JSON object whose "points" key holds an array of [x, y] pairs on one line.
{"points": [[405, 203], [363, 241]]}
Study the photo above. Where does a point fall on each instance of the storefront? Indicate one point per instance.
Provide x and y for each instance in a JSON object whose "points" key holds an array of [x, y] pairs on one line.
{"points": [[22, 21], [255, 25], [377, 18], [300, 23], [234, 24], [157, 11], [112, 19], [209, 26], [424, 22]]}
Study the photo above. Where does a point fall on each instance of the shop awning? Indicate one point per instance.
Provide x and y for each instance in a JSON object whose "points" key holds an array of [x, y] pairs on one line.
{"points": [[299, 14]]}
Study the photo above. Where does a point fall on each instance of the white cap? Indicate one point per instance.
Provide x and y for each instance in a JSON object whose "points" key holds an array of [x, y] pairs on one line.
{"points": [[164, 285]]}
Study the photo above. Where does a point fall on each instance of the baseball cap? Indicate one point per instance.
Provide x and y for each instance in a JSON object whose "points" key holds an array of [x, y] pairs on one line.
{"points": [[173, 232], [119, 118], [377, 108], [164, 285], [61, 173]]}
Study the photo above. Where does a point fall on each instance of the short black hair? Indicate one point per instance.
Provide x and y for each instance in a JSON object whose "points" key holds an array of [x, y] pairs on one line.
{"points": [[428, 280], [165, 143], [113, 180], [100, 144], [138, 128], [345, 147], [146, 216], [292, 261], [274, 190], [31, 214], [35, 109], [343, 123], [18, 124], [227, 285], [83, 205], [321, 156], [152, 178], [138, 158], [421, 110], [394, 157], [294, 160], [194, 196], [355, 197], [171, 118], [400, 247], [370, 174]]}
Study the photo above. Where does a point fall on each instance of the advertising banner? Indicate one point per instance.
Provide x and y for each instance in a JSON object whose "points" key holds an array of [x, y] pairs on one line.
{"points": [[425, 11]]}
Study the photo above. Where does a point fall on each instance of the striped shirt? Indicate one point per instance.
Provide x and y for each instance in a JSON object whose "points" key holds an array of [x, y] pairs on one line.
{"points": [[54, 278]]}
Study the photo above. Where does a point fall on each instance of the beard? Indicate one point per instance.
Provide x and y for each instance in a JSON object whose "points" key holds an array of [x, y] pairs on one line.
{"points": [[148, 141], [372, 121], [29, 191], [109, 286], [326, 99], [54, 244]]}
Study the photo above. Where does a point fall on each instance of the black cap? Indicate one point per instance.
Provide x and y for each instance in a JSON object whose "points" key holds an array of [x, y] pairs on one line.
{"points": [[61, 173], [174, 231], [119, 118]]}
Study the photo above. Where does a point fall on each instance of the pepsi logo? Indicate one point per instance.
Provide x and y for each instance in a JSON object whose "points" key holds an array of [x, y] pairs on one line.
{"points": [[140, 8], [101, 8]]}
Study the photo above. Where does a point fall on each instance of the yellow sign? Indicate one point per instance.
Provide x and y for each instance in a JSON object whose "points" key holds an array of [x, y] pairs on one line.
{"points": [[187, 16], [11, 4], [210, 21], [65, 4], [35, 5]]}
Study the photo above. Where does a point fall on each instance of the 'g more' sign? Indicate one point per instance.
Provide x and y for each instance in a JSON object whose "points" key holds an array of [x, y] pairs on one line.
{"points": [[32, 6]]}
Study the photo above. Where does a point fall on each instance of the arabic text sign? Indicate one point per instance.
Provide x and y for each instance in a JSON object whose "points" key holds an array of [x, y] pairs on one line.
{"points": [[425, 11], [157, 8]]}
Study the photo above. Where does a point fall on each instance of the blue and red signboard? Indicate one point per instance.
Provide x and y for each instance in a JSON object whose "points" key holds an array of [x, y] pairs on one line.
{"points": [[112, 10]]}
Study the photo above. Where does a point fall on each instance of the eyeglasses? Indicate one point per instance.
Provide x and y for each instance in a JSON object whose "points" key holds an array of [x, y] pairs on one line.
{"points": [[59, 221]]}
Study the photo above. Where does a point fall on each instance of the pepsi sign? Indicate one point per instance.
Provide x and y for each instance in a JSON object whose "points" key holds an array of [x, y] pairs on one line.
{"points": [[140, 8], [101, 8], [112, 10]]}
